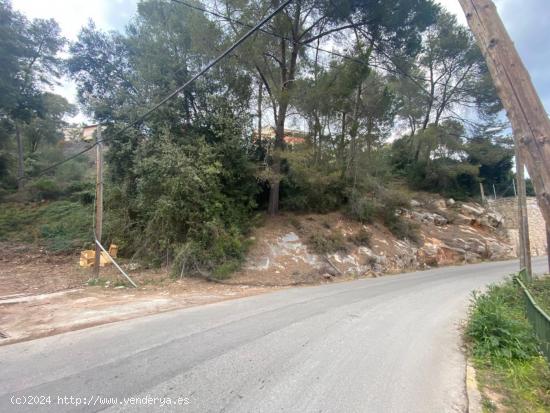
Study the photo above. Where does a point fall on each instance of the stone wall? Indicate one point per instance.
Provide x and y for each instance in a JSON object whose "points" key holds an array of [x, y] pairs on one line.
{"points": [[508, 208]]}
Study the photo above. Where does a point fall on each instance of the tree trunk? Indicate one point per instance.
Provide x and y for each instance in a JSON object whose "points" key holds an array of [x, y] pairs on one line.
{"points": [[260, 96], [342, 145], [20, 156], [275, 181]]}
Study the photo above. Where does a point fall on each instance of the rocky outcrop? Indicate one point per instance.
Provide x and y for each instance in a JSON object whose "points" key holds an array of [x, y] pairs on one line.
{"points": [[451, 233]]}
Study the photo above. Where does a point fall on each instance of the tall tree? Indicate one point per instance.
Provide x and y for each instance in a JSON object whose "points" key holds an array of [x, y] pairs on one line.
{"points": [[30, 53], [449, 75], [392, 24]]}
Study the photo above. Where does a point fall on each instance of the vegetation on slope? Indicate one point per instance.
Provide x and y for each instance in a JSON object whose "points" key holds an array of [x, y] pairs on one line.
{"points": [[183, 186], [60, 226], [511, 371]]}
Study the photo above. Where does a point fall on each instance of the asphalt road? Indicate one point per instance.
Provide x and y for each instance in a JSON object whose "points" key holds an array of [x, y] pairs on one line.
{"points": [[391, 344]]}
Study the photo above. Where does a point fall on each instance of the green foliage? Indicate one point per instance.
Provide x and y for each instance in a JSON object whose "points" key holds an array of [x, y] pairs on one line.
{"points": [[215, 254], [433, 160], [362, 208], [362, 238], [498, 328], [187, 198], [505, 351], [45, 189], [402, 228], [327, 242], [60, 226], [540, 289], [308, 188]]}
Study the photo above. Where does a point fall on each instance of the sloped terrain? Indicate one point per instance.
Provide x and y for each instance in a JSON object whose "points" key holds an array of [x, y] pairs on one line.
{"points": [[295, 249]]}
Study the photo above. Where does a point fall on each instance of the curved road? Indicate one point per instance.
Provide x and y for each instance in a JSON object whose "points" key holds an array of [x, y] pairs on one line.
{"points": [[390, 344]]}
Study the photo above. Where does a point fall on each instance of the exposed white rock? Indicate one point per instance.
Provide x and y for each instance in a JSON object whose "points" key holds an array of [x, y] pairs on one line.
{"points": [[472, 209]]}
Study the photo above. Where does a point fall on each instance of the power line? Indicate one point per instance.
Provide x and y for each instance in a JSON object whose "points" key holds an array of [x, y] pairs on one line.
{"points": [[400, 71], [279, 36], [176, 91]]}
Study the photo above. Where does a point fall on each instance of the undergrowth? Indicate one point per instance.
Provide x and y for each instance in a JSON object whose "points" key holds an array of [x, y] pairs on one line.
{"points": [[505, 351], [60, 226]]}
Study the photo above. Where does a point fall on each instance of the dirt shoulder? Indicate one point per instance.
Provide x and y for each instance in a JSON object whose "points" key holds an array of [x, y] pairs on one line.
{"points": [[43, 294]]}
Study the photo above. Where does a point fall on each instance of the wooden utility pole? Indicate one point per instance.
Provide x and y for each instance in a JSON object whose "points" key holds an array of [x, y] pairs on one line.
{"points": [[548, 245], [98, 199], [527, 115], [523, 220]]}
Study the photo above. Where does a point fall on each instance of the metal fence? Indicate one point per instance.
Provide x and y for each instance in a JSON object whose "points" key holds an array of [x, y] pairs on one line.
{"points": [[538, 319]]}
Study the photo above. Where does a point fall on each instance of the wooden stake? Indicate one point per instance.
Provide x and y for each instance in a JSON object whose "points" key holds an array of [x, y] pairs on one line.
{"points": [[527, 115], [98, 200]]}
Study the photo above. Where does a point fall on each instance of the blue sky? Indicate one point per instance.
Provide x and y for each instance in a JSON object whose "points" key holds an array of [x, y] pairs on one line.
{"points": [[528, 22]]}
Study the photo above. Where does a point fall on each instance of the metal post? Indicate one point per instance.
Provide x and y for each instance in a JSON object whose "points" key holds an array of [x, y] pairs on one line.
{"points": [[482, 193], [525, 244], [98, 200], [495, 192]]}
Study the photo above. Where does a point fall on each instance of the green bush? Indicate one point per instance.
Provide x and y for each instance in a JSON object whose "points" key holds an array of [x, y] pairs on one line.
{"points": [[327, 243], [362, 209], [505, 352], [45, 189], [401, 227], [498, 328], [362, 238], [214, 253], [189, 199], [540, 289], [308, 188]]}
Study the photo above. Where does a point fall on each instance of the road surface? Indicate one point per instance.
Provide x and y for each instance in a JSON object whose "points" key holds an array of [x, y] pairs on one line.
{"points": [[391, 344]]}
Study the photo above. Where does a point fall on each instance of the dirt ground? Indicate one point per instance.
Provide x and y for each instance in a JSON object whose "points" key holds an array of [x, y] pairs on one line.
{"points": [[43, 294]]}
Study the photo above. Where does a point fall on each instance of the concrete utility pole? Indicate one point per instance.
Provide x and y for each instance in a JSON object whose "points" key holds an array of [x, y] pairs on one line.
{"points": [[98, 199], [527, 115], [523, 220]]}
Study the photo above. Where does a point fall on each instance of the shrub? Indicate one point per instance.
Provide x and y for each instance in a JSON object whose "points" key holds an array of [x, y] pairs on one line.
{"points": [[498, 328], [327, 243], [214, 253], [308, 188], [402, 228], [362, 238], [45, 189], [362, 209]]}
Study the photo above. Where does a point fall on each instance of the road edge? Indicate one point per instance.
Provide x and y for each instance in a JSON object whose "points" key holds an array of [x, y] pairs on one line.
{"points": [[472, 389]]}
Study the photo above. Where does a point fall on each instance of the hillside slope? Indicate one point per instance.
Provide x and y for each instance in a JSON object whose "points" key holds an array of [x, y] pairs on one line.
{"points": [[294, 249]]}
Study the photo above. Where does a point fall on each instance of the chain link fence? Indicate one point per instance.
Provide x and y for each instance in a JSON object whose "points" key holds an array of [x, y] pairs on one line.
{"points": [[537, 317]]}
